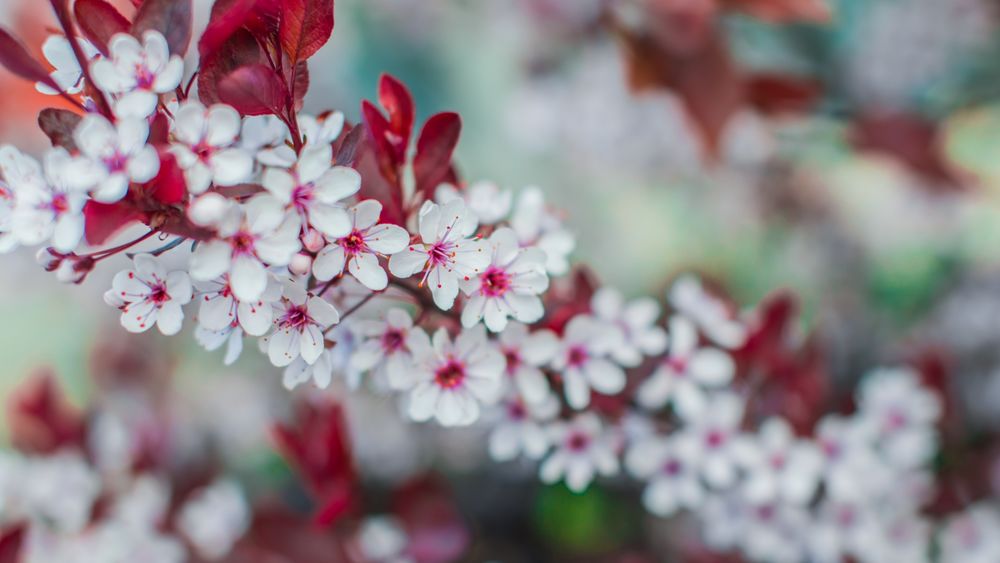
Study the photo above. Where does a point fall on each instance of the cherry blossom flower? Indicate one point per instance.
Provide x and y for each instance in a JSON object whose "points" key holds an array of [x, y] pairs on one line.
{"points": [[778, 466], [58, 489], [316, 132], [508, 287], [152, 295], [67, 73], [383, 350], [972, 536], [520, 429], [525, 354], [683, 377], [219, 308], [673, 479], [712, 439], [709, 314], [382, 539], [631, 325], [8, 241], [582, 361], [851, 468], [116, 154], [447, 254], [136, 74], [901, 414], [582, 450], [205, 146], [214, 517], [452, 379], [300, 321], [314, 188], [335, 358], [536, 226], [358, 249], [486, 200], [47, 206], [230, 336], [252, 237], [261, 133]]}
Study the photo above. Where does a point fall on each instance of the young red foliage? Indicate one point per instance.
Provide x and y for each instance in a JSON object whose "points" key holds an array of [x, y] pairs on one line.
{"points": [[435, 146], [239, 50], [99, 21], [172, 18], [254, 90], [11, 540], [15, 58], [40, 418], [304, 27], [397, 100], [226, 18], [58, 125], [433, 523]]}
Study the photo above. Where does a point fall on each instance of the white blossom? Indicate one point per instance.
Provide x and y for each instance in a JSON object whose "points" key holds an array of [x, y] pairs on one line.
{"points": [[358, 250], [536, 226], [778, 466], [712, 440], [67, 73], [136, 74], [631, 326], [583, 449], [230, 336], [383, 349], [709, 314], [151, 295], [205, 147], [315, 131], [47, 206], [525, 353], [219, 307], [486, 200], [972, 536], [300, 321], [314, 188], [582, 360], [901, 414], [116, 154], [668, 467], [214, 518], [520, 428]]}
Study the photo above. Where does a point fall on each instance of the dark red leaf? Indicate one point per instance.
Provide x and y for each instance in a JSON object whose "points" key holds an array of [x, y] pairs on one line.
{"points": [[911, 139], [227, 17], [240, 191], [99, 21], [380, 135], [349, 146], [300, 83], [784, 11], [16, 59], [375, 185], [58, 125], [253, 90], [169, 186], [159, 130], [172, 18], [306, 25], [437, 142], [433, 523], [777, 94], [11, 541], [395, 97], [104, 220], [40, 418], [241, 49]]}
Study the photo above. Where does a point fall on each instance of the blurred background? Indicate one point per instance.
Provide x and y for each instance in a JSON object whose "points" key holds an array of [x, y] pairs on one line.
{"points": [[843, 149]]}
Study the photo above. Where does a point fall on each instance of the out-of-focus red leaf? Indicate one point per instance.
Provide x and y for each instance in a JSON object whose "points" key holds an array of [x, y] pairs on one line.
{"points": [[375, 185], [278, 535], [435, 146], [40, 418], [305, 26], [227, 16], [58, 125], [253, 90], [169, 186], [911, 139], [776, 94], [11, 540], [241, 49], [159, 130], [104, 220], [379, 134], [347, 148], [783, 11], [300, 83], [395, 97], [434, 526], [15, 58], [240, 191], [317, 446], [569, 296], [99, 21], [172, 18]]}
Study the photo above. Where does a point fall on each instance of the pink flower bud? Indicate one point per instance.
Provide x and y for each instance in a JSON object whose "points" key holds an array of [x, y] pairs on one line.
{"points": [[313, 240], [300, 264]]}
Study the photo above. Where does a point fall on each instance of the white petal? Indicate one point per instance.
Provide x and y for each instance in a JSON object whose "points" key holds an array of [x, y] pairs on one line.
{"points": [[248, 278], [366, 269], [210, 260], [329, 263]]}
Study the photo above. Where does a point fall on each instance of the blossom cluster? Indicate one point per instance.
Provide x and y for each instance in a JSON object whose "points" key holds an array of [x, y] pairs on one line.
{"points": [[348, 250]]}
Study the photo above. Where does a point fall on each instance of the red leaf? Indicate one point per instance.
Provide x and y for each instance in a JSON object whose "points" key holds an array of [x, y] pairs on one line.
{"points": [[58, 125], [784, 11], [227, 17], [169, 186], [172, 18], [305, 26], [16, 59], [241, 49], [99, 21], [104, 220], [437, 142], [10, 544], [395, 97], [300, 83], [347, 150], [775, 94], [40, 418], [913, 140], [253, 90], [159, 130], [433, 523]]}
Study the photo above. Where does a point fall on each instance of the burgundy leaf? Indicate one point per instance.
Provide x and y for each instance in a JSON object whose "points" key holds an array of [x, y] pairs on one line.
{"points": [[99, 21], [350, 144], [172, 18], [240, 191], [58, 125], [437, 142], [300, 83], [397, 100], [227, 17], [169, 186], [305, 26], [40, 418], [16, 59], [105, 220], [253, 90], [241, 49], [159, 130], [11, 540], [375, 185], [380, 136]]}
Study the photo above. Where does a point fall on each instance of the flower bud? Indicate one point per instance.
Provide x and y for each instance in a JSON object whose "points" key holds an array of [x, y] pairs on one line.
{"points": [[300, 264], [49, 258], [313, 241]]}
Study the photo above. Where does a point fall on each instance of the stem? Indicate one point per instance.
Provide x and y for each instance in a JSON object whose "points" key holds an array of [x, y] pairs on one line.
{"points": [[59, 7], [102, 254], [358, 305]]}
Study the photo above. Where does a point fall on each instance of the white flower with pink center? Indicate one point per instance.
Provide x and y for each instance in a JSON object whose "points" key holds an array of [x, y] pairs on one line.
{"points": [[710, 314], [489, 203], [712, 439], [314, 188], [136, 74], [901, 414], [214, 517], [115, 155], [252, 237], [582, 360], [358, 250], [383, 350], [205, 146], [778, 466], [67, 73], [668, 467], [537, 226], [583, 450], [230, 336], [151, 295], [851, 468], [509, 287], [525, 354], [335, 358], [446, 254], [300, 321], [631, 325], [520, 429], [316, 132], [219, 308], [684, 377], [973, 535], [452, 379], [49, 206]]}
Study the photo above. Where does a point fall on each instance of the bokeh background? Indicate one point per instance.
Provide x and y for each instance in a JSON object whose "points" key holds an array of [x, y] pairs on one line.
{"points": [[848, 154]]}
